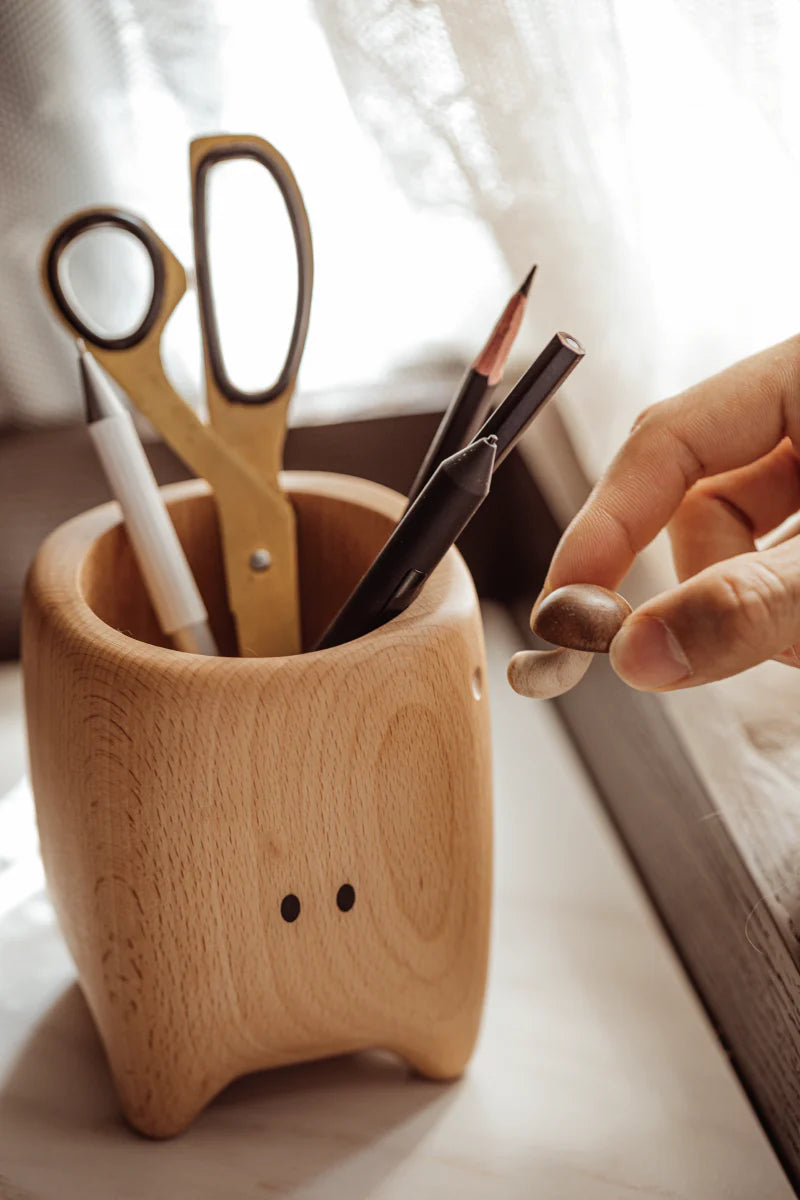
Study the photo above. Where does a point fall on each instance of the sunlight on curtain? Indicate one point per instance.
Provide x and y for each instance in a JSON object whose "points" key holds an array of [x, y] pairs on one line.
{"points": [[389, 288], [645, 153], [97, 103]]}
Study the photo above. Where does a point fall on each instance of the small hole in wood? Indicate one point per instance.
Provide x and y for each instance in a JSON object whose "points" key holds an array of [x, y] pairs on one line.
{"points": [[477, 683], [346, 897], [290, 907]]}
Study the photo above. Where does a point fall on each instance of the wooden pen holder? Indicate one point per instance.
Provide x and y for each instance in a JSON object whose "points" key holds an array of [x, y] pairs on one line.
{"points": [[261, 861]]}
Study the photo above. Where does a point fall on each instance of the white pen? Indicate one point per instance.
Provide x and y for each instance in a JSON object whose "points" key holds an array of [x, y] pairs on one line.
{"points": [[167, 575]]}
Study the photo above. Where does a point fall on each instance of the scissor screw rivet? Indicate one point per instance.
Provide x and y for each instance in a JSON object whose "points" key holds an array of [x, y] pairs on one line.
{"points": [[260, 560]]}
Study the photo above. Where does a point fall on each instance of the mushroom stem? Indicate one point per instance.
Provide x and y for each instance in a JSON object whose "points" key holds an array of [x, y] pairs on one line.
{"points": [[542, 674]]}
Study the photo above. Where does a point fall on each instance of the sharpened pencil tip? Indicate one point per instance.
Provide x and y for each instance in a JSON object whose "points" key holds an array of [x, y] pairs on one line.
{"points": [[528, 280], [492, 358]]}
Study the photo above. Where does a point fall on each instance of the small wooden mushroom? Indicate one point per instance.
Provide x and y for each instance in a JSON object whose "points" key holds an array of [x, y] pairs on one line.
{"points": [[581, 616], [582, 620], [542, 674]]}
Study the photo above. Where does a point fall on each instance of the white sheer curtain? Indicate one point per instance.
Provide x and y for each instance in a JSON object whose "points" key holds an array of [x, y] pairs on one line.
{"points": [[97, 104], [646, 154], [94, 100]]}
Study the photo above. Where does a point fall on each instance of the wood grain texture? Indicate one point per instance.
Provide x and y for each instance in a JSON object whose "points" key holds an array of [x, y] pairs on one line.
{"points": [[715, 839], [682, 839], [180, 798], [713, 831], [52, 475], [253, 512], [595, 1076]]}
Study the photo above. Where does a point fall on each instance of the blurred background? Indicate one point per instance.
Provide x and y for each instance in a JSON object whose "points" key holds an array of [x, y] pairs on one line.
{"points": [[643, 155]]}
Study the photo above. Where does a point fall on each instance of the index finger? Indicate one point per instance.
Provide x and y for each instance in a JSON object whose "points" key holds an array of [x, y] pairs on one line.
{"points": [[725, 422]]}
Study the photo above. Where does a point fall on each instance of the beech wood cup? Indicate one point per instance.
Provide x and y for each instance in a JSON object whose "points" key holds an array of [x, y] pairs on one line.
{"points": [[181, 799]]}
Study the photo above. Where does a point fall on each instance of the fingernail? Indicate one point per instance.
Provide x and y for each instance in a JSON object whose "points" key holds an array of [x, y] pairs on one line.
{"points": [[647, 655]]}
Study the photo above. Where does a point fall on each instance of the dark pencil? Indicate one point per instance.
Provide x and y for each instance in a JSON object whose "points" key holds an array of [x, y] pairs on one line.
{"points": [[418, 543], [528, 396], [468, 407]]}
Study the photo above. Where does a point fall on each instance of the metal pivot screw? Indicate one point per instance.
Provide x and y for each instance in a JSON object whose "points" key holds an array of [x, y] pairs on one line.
{"points": [[260, 560]]}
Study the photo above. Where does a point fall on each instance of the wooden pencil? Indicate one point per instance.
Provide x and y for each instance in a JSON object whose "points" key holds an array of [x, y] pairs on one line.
{"points": [[468, 407]]}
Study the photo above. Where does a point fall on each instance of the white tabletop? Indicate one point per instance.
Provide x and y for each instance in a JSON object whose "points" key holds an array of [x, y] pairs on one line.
{"points": [[596, 1075]]}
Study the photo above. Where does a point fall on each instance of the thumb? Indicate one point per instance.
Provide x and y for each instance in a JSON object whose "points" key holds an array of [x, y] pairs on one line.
{"points": [[729, 617]]}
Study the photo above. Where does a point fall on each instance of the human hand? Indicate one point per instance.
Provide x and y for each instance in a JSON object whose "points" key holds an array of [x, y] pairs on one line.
{"points": [[717, 465]]}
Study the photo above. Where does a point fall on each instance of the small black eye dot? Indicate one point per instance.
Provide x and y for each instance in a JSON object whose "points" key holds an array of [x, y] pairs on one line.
{"points": [[346, 897], [290, 907]]}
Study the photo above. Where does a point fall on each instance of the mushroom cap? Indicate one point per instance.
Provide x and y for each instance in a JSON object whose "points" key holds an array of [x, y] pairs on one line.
{"points": [[580, 616]]}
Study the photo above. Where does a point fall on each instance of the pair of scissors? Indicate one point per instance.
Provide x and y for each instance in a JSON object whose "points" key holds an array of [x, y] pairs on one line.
{"points": [[240, 450]]}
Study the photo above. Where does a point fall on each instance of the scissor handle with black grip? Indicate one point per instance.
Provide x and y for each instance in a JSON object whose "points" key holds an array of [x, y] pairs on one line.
{"points": [[205, 154], [162, 263], [254, 422], [254, 515], [134, 358]]}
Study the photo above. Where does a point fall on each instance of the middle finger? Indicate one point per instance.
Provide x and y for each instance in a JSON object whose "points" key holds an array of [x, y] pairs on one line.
{"points": [[723, 515]]}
